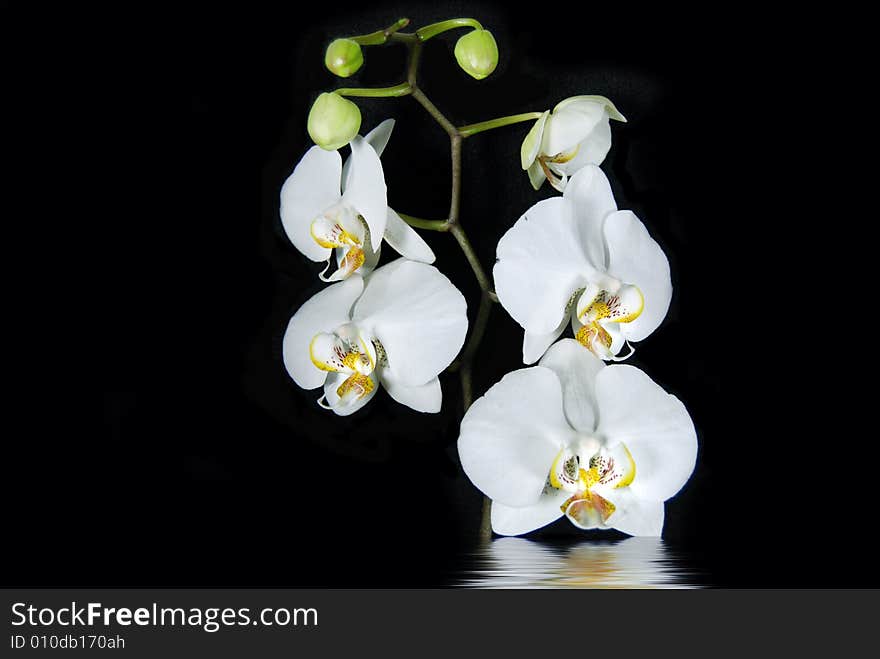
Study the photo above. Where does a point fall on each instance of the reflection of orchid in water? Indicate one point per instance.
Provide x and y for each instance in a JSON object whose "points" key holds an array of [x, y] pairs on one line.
{"points": [[633, 563]]}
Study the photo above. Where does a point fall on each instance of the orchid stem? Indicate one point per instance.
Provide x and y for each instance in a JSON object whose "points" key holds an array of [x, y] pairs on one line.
{"points": [[452, 224], [471, 256], [377, 92], [419, 223], [379, 37], [473, 129], [432, 30]]}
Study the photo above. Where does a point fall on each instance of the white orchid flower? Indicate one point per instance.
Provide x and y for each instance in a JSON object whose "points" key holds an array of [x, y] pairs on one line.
{"points": [[398, 327], [577, 256], [603, 445], [561, 143], [319, 216]]}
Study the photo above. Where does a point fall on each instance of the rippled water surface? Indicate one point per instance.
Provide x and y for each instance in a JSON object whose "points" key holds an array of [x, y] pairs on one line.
{"points": [[630, 563]]}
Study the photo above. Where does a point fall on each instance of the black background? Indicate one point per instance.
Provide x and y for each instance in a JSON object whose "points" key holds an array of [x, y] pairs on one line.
{"points": [[211, 468]]}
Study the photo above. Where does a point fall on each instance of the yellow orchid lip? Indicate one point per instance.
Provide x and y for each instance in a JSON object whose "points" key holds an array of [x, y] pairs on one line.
{"points": [[327, 353], [344, 229], [331, 234], [564, 470], [588, 508], [614, 469], [598, 307], [354, 258], [624, 306], [562, 158], [595, 338], [545, 161], [355, 387], [333, 353]]}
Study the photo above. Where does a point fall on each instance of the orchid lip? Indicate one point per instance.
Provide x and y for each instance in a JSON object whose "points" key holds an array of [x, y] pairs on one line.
{"points": [[341, 227], [355, 387], [581, 472], [345, 350], [600, 309]]}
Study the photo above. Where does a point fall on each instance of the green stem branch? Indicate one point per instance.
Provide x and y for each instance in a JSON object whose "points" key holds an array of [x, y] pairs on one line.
{"points": [[419, 223], [473, 129], [438, 116], [471, 256], [425, 33], [403, 89], [379, 37]]}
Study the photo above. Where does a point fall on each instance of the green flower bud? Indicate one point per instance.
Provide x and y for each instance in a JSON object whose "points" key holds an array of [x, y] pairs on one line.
{"points": [[333, 121], [477, 53], [344, 57]]}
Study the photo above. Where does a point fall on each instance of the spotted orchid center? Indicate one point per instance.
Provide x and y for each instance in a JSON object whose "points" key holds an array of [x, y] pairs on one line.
{"points": [[601, 310], [349, 351], [340, 227], [585, 476]]}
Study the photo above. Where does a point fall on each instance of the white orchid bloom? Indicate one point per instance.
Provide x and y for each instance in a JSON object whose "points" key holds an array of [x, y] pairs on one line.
{"points": [[319, 216], [603, 445], [577, 256], [398, 327], [561, 143]]}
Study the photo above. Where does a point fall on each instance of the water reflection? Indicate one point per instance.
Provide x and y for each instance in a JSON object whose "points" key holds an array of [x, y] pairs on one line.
{"points": [[630, 563]]}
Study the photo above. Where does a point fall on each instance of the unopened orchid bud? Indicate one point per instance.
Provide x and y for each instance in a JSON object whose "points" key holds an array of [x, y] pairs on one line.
{"points": [[477, 53], [344, 57], [333, 121]]}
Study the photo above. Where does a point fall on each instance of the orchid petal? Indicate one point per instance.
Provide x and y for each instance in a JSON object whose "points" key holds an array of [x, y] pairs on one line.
{"points": [[511, 435], [531, 145], [590, 193], [541, 263], [654, 426], [323, 312], [507, 520], [417, 315], [312, 188], [576, 102], [379, 136], [376, 138], [576, 369], [426, 397], [535, 345], [636, 258], [365, 189], [593, 149], [405, 240], [569, 125], [633, 515], [536, 175]]}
